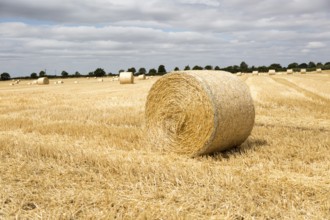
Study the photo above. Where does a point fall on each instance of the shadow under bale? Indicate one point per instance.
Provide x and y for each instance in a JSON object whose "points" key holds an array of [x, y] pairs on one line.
{"points": [[249, 144]]}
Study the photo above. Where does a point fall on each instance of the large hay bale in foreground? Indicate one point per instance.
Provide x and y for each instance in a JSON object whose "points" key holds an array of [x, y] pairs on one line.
{"points": [[199, 112], [126, 78], [43, 81]]}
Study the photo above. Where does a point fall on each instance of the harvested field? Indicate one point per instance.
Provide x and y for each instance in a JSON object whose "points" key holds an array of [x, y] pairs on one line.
{"points": [[77, 151]]}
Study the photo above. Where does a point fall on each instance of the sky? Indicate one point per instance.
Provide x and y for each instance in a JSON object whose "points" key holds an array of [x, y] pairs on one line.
{"points": [[82, 35]]}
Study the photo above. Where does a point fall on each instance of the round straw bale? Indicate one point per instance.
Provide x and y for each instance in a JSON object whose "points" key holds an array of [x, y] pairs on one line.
{"points": [[142, 77], [319, 70], [289, 71], [43, 81], [199, 112], [303, 71], [126, 78], [271, 72], [100, 80]]}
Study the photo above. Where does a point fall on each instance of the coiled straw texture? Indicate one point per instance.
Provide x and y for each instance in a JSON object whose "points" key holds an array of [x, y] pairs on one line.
{"points": [[199, 112], [43, 81], [126, 78]]}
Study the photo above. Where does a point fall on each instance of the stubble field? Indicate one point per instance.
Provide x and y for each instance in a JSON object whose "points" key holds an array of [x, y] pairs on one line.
{"points": [[78, 151]]}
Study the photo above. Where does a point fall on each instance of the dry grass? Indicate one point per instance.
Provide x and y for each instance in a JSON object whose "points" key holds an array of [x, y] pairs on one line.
{"points": [[76, 151]]}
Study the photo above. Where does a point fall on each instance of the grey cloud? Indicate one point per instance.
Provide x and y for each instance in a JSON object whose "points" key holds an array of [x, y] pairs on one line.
{"points": [[171, 32]]}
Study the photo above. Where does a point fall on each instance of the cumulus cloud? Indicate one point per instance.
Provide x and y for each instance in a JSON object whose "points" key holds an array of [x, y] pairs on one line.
{"points": [[315, 45], [82, 35]]}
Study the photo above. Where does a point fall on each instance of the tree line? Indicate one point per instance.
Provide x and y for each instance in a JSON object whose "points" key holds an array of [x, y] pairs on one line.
{"points": [[161, 70]]}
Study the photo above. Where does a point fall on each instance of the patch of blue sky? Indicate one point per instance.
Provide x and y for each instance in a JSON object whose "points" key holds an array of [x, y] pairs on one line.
{"points": [[26, 21]]}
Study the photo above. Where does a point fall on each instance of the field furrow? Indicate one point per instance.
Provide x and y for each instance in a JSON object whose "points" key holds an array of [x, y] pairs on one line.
{"points": [[313, 95]]}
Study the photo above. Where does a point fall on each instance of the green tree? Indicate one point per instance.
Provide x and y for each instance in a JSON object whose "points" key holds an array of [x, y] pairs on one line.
{"points": [[91, 73], [229, 69], [208, 67], [161, 70], [196, 67], [152, 71], [303, 65], [236, 69], [121, 70], [319, 65], [99, 72], [263, 69], [34, 75], [64, 73], [326, 66], [275, 66], [311, 64], [77, 73], [187, 67], [293, 65], [176, 69], [243, 67], [132, 69], [217, 68], [142, 71], [42, 73], [5, 76]]}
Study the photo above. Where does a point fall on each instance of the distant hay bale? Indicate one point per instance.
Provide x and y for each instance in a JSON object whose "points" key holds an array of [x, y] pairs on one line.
{"points": [[289, 71], [60, 82], [100, 80], [75, 82], [238, 74], [271, 72], [142, 77], [126, 78], [255, 73], [43, 81], [199, 112], [319, 70], [11, 84], [303, 71]]}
